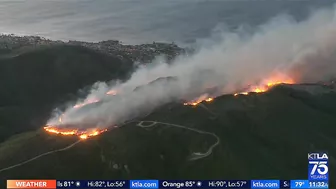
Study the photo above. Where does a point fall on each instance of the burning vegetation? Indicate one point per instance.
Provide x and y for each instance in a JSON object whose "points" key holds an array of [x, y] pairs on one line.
{"points": [[200, 99], [263, 86], [266, 85], [82, 134], [70, 131]]}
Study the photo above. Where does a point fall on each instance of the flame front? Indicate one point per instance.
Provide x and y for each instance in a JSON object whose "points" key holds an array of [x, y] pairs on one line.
{"points": [[262, 87], [267, 84], [82, 134], [199, 100]]}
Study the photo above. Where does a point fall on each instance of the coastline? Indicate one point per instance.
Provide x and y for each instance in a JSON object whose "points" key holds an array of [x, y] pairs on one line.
{"points": [[137, 53]]}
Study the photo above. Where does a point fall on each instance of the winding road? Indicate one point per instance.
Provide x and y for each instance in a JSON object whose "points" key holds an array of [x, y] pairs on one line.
{"points": [[195, 155], [39, 156]]}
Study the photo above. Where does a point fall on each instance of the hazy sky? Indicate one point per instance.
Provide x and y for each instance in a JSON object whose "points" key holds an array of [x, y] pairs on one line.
{"points": [[138, 21]]}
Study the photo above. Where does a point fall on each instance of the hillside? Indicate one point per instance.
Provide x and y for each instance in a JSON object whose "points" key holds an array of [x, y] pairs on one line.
{"points": [[266, 135], [256, 136], [35, 82]]}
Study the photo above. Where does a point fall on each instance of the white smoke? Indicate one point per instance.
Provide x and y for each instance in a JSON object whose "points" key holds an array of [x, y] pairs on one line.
{"points": [[282, 45]]}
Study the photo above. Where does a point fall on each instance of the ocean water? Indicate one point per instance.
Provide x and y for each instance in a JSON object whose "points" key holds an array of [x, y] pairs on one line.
{"points": [[141, 21]]}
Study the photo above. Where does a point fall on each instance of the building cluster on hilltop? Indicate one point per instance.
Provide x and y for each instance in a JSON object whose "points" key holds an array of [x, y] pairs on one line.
{"points": [[13, 42], [139, 53]]}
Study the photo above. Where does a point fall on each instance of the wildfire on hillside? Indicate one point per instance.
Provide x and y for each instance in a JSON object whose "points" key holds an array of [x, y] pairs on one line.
{"points": [[262, 87], [75, 132], [57, 128], [265, 85], [198, 100], [82, 134]]}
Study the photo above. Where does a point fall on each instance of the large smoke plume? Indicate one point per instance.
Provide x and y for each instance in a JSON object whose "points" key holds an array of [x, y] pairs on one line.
{"points": [[304, 51]]}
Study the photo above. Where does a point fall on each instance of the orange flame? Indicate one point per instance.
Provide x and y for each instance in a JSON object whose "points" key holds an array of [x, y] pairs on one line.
{"points": [[267, 84], [199, 100], [89, 101], [60, 131], [82, 134], [262, 87], [209, 99]]}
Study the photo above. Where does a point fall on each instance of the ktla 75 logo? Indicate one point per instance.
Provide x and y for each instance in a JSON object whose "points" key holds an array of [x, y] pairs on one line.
{"points": [[318, 166]]}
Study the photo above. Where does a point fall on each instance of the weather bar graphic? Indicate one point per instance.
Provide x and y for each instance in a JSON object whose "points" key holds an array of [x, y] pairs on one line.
{"points": [[172, 184], [31, 184]]}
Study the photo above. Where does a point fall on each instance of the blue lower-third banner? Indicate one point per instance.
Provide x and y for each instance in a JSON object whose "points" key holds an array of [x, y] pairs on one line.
{"points": [[179, 184]]}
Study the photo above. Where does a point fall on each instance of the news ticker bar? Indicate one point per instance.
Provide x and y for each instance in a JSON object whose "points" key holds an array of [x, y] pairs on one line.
{"points": [[178, 184]]}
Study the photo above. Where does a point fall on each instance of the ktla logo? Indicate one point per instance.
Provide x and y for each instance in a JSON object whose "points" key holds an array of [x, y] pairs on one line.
{"points": [[317, 156], [318, 166]]}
